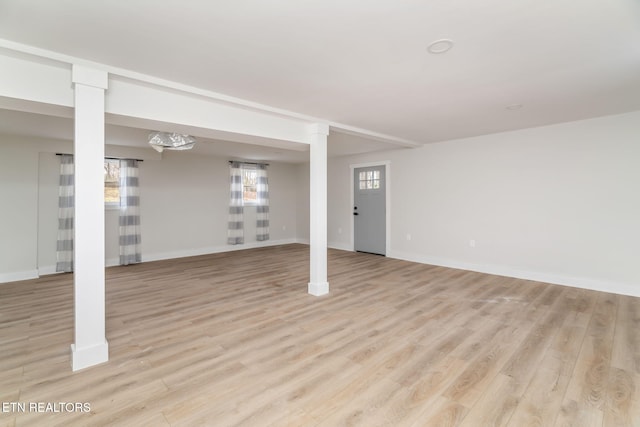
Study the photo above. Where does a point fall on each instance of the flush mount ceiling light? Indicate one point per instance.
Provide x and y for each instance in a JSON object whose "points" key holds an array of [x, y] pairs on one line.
{"points": [[160, 141], [440, 46]]}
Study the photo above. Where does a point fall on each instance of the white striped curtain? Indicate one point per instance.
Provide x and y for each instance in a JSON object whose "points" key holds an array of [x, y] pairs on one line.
{"points": [[262, 208], [130, 238], [235, 233], [66, 207]]}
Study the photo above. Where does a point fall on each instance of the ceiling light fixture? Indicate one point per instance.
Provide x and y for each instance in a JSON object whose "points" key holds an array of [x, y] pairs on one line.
{"points": [[514, 107], [440, 46], [160, 141]]}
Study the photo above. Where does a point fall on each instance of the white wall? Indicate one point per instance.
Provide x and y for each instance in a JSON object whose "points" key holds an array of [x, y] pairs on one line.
{"points": [[184, 205], [557, 203], [18, 209]]}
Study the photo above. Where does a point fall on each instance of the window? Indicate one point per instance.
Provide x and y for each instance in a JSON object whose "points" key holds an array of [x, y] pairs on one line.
{"points": [[369, 180], [111, 182], [249, 185]]}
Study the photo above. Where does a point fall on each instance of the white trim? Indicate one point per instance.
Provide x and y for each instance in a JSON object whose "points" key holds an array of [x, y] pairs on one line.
{"points": [[577, 282], [213, 250], [318, 289], [502, 270], [319, 127], [47, 270], [51, 269], [89, 356], [17, 276], [136, 76], [112, 262], [387, 165], [356, 131], [89, 76], [340, 245]]}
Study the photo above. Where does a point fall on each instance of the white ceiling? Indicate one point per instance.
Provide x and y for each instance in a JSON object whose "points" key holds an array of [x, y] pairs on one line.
{"points": [[364, 63]]}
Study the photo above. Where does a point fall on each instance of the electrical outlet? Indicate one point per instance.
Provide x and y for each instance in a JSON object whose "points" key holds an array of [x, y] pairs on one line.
{"points": [[472, 243], [408, 236], [339, 230]]}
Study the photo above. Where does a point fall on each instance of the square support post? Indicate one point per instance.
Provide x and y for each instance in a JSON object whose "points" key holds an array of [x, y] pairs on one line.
{"points": [[318, 284], [90, 346]]}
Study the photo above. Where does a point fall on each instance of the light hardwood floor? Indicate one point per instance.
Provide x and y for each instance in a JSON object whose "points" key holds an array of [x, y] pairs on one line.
{"points": [[234, 339]]}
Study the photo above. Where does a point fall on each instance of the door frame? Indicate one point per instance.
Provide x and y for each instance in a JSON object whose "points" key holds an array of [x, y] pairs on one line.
{"points": [[387, 202]]}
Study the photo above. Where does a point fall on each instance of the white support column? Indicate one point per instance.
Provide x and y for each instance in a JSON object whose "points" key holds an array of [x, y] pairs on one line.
{"points": [[90, 346], [318, 210]]}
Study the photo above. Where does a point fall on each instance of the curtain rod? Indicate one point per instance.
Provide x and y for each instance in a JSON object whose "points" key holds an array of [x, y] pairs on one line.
{"points": [[108, 158], [248, 163]]}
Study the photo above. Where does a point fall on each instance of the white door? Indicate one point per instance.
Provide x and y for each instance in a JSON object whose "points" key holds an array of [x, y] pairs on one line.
{"points": [[369, 209]]}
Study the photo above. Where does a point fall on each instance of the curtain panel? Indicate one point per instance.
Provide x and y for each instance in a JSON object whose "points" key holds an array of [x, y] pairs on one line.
{"points": [[235, 232], [66, 208], [129, 222], [262, 207]]}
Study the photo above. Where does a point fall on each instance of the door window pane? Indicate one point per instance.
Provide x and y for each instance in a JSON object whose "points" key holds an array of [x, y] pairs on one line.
{"points": [[369, 180]]}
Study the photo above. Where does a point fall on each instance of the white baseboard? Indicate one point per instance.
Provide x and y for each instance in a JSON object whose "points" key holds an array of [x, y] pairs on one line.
{"points": [[501, 270], [16, 276], [214, 250], [46, 270], [111, 262], [341, 246], [331, 245], [51, 269]]}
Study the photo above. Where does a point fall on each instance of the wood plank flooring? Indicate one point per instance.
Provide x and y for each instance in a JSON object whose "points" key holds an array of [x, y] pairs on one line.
{"points": [[234, 339]]}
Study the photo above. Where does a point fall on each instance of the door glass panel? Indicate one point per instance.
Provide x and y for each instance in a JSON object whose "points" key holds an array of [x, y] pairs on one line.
{"points": [[369, 180]]}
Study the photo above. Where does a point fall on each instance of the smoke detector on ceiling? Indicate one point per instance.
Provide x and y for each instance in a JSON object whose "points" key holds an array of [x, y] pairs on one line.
{"points": [[440, 46]]}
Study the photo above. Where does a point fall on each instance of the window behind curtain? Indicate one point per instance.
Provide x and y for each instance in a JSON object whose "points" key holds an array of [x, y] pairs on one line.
{"points": [[111, 183], [249, 185]]}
